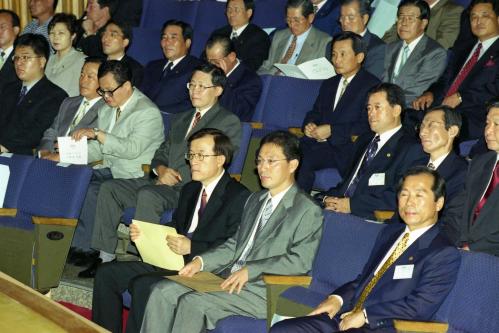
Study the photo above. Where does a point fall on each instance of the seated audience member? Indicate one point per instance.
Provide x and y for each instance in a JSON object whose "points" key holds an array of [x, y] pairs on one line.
{"points": [[327, 13], [64, 67], [416, 61], [75, 112], [477, 226], [339, 111], [116, 38], [279, 234], [98, 13], [472, 77], [9, 29], [376, 297], [165, 79], [128, 132], [152, 196], [251, 43], [209, 212], [443, 25], [243, 87], [380, 160], [298, 43], [128, 12], [28, 106], [42, 12], [354, 18]]}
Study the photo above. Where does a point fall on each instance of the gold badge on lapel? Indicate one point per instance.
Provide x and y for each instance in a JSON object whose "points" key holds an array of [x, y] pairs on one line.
{"points": [[411, 258], [388, 155]]}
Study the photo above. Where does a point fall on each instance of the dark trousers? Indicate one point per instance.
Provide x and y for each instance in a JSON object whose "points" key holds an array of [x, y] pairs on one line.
{"points": [[111, 280]]}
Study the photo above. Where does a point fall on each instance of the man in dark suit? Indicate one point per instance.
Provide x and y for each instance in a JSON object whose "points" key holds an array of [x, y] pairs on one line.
{"points": [[472, 76], [115, 38], [9, 21], [165, 79], [250, 41], [380, 160], [354, 17], [412, 268], [152, 196], [327, 13], [339, 111], [201, 225], [75, 112], [28, 107], [243, 88], [477, 226], [416, 61]]}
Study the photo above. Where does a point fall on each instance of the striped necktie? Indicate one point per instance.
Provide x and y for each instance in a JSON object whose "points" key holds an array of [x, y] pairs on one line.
{"points": [[79, 116], [2, 59]]}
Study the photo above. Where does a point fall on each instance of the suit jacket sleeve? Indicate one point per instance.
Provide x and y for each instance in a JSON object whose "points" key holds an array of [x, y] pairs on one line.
{"points": [[243, 97], [274, 53], [50, 134]]}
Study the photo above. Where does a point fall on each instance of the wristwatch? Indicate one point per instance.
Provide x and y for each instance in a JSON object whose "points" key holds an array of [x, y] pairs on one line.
{"points": [[96, 132]]}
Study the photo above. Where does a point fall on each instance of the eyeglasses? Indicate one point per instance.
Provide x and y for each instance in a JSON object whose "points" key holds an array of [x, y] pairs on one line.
{"points": [[197, 156], [270, 162], [111, 34], [407, 18], [23, 58], [108, 93], [195, 86]]}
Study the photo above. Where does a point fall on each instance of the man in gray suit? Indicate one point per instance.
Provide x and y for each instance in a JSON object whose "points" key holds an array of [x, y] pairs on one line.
{"points": [[416, 61], [299, 43], [129, 130], [75, 112], [279, 234], [152, 196]]}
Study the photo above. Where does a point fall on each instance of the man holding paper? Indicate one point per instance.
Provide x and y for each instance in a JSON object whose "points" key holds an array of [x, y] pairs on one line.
{"points": [[209, 212], [279, 234]]}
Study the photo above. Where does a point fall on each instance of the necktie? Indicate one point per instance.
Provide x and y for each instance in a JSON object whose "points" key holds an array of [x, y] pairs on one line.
{"points": [[267, 212], [23, 92], [2, 59], [405, 55], [197, 118], [492, 185], [401, 247], [431, 166], [167, 69], [202, 205], [289, 51], [464, 71], [343, 87], [79, 115], [233, 35], [368, 157], [118, 114], [316, 8]]}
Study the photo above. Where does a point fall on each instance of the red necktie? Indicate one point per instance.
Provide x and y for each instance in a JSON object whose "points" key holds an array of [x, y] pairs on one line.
{"points": [[202, 206], [492, 185], [464, 71], [197, 118]]}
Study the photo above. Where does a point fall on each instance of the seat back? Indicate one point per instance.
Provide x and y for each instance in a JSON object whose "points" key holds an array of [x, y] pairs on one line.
{"points": [[145, 46], [18, 166], [210, 16], [473, 303], [465, 147], [157, 12], [258, 114], [270, 13], [166, 122], [54, 191], [236, 167], [343, 236]]}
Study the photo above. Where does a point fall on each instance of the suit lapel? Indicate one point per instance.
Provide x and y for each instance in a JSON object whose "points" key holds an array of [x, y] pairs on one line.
{"points": [[283, 45], [309, 46], [486, 57], [393, 60], [446, 167], [216, 200], [350, 90], [91, 114], [191, 207], [482, 181], [386, 152]]}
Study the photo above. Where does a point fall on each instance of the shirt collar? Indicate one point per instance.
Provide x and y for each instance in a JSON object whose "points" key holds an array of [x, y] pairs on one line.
{"points": [[175, 62], [320, 4], [91, 102], [439, 160], [124, 105], [383, 138], [276, 199], [415, 234], [233, 69], [240, 30], [7, 51], [348, 80], [363, 33], [412, 45], [203, 111], [31, 84], [301, 38], [434, 4], [211, 186], [487, 43]]}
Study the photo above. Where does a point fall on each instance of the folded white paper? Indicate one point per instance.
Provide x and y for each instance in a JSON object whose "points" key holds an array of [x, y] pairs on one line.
{"points": [[317, 69], [71, 151], [4, 181]]}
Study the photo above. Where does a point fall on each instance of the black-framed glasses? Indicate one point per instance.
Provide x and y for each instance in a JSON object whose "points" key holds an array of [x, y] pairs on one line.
{"points": [[108, 93], [195, 86], [197, 156]]}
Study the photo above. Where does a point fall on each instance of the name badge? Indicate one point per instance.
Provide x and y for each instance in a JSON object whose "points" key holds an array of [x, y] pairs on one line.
{"points": [[403, 272], [377, 179]]}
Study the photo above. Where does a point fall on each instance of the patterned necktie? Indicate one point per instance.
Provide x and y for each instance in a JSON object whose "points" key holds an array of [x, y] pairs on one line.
{"points": [[290, 51], [343, 87], [401, 247], [2, 59], [167, 69], [202, 205], [368, 157], [431, 166], [316, 9], [79, 115], [197, 118], [492, 185], [22, 94], [405, 55], [233, 36], [267, 212], [118, 114], [464, 71]]}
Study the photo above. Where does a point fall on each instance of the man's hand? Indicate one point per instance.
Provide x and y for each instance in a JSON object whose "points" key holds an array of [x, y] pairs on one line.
{"points": [[424, 101], [309, 130], [134, 232], [179, 244], [236, 280], [452, 101], [191, 268], [3, 149], [322, 132], [341, 205], [330, 306], [352, 320], [167, 176], [89, 27], [51, 156], [79, 134]]}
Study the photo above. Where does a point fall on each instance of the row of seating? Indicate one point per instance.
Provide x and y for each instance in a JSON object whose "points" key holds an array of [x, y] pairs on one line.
{"points": [[38, 218]]}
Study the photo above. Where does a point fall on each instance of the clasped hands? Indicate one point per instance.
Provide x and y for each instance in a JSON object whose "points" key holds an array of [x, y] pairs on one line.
{"points": [[332, 305], [426, 100], [317, 132], [340, 205]]}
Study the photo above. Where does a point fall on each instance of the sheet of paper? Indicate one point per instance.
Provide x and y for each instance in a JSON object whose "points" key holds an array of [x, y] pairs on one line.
{"points": [[202, 282], [317, 69], [4, 181], [71, 151], [152, 246], [291, 70]]}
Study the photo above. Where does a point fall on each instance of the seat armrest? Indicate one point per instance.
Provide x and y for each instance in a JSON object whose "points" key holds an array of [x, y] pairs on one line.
{"points": [[296, 131], [289, 280], [383, 215], [420, 326], [256, 125], [11, 212], [54, 221], [236, 176]]}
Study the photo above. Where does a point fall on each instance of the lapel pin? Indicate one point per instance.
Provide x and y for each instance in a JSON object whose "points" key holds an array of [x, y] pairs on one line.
{"points": [[411, 258], [388, 155]]}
